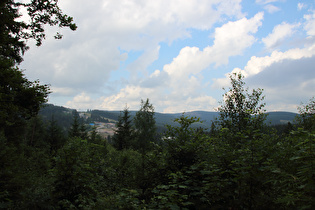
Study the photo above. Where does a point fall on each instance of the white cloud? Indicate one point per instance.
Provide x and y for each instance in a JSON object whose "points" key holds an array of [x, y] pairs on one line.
{"points": [[95, 67], [229, 40], [267, 1], [147, 21], [130, 95], [310, 24], [268, 6], [232, 38], [301, 6], [271, 8], [81, 101], [62, 91], [178, 85], [287, 77], [279, 33], [108, 30]]}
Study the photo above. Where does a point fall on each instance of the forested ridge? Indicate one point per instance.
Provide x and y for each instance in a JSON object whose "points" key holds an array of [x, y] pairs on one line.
{"points": [[63, 116], [238, 161]]}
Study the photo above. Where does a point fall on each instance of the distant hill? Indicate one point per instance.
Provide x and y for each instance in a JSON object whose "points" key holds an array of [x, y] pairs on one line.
{"points": [[64, 116], [276, 118], [273, 118]]}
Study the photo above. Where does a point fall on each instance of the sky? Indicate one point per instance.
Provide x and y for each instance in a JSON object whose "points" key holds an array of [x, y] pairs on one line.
{"points": [[177, 53]]}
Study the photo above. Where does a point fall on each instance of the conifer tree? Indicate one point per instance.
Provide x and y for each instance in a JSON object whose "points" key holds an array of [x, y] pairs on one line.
{"points": [[55, 136], [124, 135], [145, 126], [83, 132], [75, 127]]}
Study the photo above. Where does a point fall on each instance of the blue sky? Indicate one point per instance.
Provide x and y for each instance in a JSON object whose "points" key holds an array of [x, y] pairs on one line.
{"points": [[178, 53]]}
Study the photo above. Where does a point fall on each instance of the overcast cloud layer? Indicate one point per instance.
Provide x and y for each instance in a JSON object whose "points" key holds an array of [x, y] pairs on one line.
{"points": [[178, 53]]}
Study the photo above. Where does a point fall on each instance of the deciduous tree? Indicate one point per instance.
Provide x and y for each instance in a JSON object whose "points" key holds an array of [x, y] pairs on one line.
{"points": [[307, 115], [241, 109], [14, 31]]}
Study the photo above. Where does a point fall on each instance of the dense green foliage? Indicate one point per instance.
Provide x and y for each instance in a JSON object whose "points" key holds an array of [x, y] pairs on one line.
{"points": [[185, 169]]}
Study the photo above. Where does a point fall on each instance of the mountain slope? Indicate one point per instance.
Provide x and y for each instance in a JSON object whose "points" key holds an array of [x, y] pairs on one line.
{"points": [[63, 116]]}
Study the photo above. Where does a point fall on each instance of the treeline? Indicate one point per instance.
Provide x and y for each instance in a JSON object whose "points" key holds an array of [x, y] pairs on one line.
{"points": [[238, 163]]}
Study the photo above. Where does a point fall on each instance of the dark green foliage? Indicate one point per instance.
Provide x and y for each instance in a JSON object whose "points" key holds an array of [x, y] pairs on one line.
{"points": [[124, 135], [144, 122], [20, 100], [283, 129], [184, 144], [11, 44], [55, 136], [75, 127], [83, 131], [78, 128], [61, 115], [95, 137], [292, 170], [75, 180], [35, 133], [24, 175], [103, 116]]}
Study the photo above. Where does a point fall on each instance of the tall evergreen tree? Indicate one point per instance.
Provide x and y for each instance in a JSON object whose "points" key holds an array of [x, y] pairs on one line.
{"points": [[83, 131], [93, 135], [75, 127], [124, 134], [35, 133], [55, 135], [145, 126]]}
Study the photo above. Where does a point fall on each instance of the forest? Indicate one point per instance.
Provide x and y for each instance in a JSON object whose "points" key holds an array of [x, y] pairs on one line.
{"points": [[238, 162]]}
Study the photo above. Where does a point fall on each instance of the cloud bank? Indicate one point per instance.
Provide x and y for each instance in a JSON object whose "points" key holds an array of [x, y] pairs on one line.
{"points": [[114, 58]]}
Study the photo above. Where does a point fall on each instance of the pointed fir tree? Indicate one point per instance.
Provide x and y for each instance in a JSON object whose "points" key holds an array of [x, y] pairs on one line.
{"points": [[124, 135], [83, 132], [75, 127], [93, 135], [55, 136], [145, 126]]}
